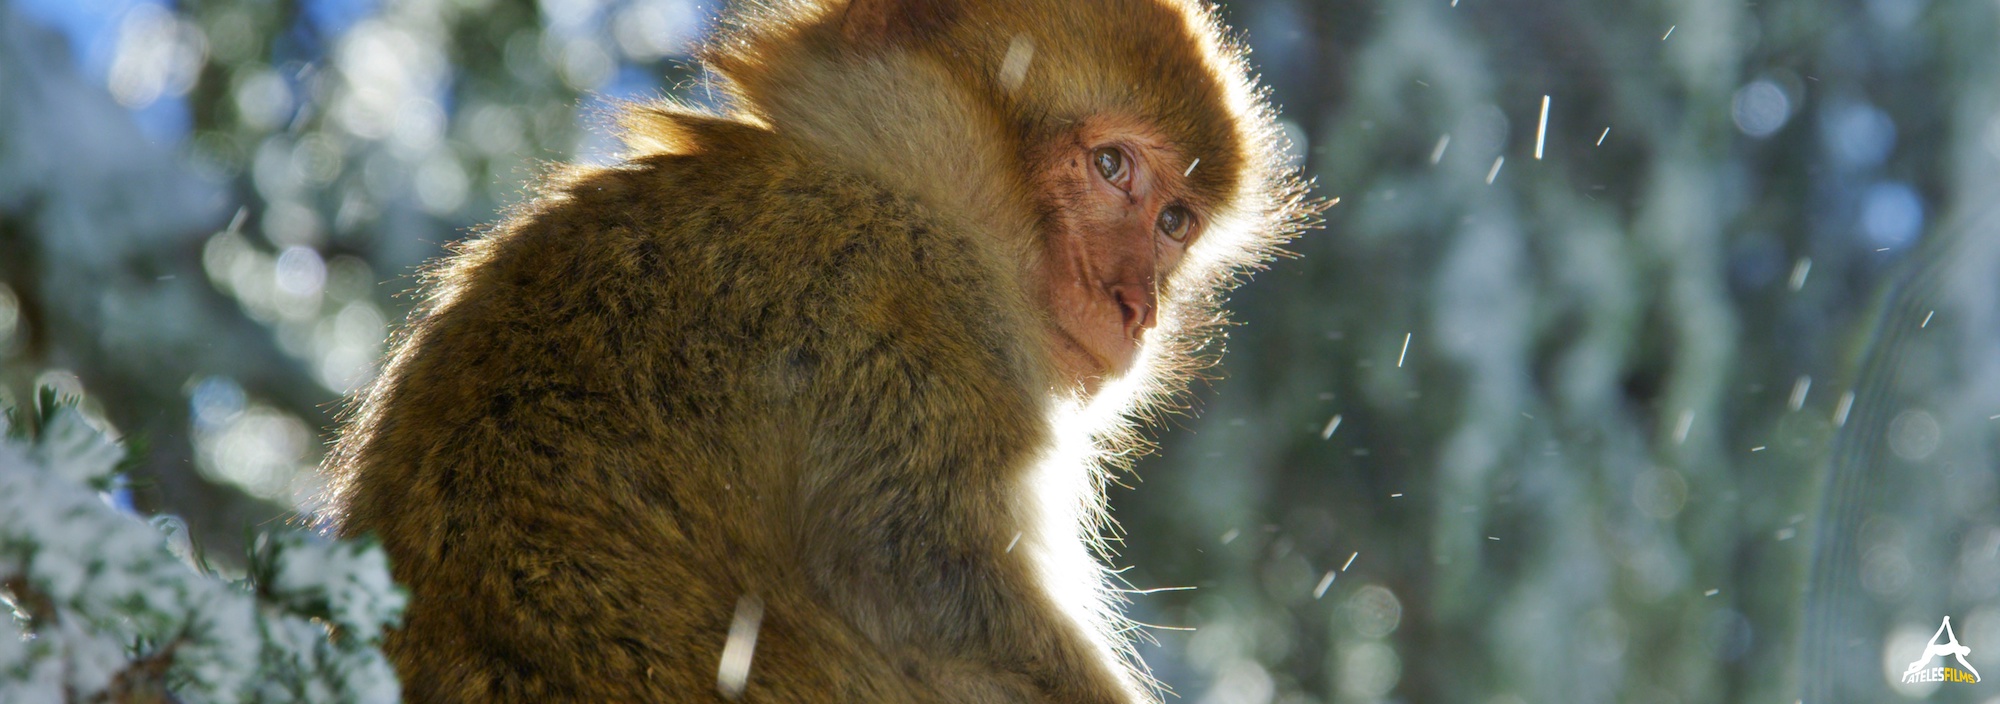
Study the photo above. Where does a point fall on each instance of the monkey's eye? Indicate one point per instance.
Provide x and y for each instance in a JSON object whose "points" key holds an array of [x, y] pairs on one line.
{"points": [[1175, 222], [1110, 163]]}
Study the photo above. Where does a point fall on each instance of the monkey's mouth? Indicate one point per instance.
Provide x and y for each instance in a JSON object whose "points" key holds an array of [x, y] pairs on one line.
{"points": [[1099, 356]]}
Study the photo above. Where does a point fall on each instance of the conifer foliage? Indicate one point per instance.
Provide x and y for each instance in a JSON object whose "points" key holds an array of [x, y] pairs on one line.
{"points": [[105, 608]]}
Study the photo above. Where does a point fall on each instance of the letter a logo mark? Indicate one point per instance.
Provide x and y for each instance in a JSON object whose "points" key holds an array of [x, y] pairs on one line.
{"points": [[1937, 649]]}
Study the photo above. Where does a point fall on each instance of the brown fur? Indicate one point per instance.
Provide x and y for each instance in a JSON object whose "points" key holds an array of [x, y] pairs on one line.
{"points": [[791, 352]]}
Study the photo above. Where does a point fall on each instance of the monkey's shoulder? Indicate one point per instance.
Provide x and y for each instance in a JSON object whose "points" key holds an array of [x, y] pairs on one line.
{"points": [[733, 253]]}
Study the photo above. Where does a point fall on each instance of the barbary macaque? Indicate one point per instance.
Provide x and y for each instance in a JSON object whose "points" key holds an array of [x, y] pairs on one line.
{"points": [[811, 399]]}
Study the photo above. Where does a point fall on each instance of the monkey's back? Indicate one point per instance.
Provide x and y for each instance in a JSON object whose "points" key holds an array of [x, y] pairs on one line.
{"points": [[585, 448]]}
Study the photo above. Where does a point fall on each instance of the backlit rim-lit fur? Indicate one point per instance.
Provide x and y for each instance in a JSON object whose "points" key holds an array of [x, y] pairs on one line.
{"points": [[1261, 205], [1241, 234]]}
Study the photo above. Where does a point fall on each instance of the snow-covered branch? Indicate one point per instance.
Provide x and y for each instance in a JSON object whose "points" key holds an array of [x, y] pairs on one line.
{"points": [[104, 610]]}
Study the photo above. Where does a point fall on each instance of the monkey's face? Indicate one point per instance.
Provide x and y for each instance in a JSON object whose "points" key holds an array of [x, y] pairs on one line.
{"points": [[1130, 127], [1116, 226]]}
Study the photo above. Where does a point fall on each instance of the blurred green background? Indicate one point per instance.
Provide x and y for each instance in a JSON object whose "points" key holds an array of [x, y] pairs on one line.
{"points": [[1690, 395]]}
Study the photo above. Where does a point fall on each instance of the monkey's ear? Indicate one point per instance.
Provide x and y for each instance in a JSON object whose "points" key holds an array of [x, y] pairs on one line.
{"points": [[887, 23]]}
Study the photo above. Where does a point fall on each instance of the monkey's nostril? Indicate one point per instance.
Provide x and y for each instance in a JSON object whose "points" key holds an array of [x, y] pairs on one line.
{"points": [[1136, 306]]}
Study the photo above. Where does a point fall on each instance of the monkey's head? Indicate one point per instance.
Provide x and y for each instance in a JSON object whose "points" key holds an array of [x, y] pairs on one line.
{"points": [[1117, 147]]}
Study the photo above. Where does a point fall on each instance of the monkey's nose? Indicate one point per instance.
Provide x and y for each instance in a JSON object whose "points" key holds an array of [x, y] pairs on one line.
{"points": [[1135, 302]]}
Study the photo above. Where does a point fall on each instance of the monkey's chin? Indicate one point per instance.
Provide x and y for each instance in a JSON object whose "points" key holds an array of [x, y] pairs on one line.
{"points": [[1087, 367]]}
